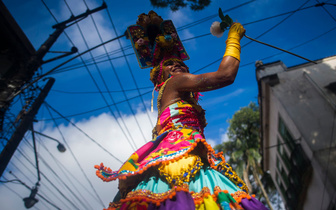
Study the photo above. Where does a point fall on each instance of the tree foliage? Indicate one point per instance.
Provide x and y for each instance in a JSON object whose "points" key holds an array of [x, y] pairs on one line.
{"points": [[175, 5], [243, 135], [243, 147]]}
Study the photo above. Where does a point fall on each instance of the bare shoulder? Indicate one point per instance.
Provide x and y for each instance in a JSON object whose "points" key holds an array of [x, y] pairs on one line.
{"points": [[170, 93]]}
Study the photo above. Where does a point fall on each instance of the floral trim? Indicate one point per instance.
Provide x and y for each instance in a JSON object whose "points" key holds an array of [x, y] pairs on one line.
{"points": [[107, 175], [147, 196], [186, 173], [239, 195], [216, 161]]}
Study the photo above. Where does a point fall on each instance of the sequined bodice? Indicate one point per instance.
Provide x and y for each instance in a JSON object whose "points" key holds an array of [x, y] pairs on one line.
{"points": [[182, 114]]}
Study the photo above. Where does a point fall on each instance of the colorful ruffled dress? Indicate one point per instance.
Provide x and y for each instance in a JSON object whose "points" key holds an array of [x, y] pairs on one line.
{"points": [[178, 169]]}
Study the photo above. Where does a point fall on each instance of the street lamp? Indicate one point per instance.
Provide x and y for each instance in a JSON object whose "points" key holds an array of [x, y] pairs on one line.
{"points": [[60, 146], [31, 200]]}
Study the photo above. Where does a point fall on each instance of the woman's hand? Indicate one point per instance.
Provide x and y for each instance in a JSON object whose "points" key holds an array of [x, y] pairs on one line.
{"points": [[233, 48]]}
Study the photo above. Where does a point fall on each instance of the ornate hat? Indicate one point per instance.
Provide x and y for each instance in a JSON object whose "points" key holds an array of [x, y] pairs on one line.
{"points": [[154, 40]]}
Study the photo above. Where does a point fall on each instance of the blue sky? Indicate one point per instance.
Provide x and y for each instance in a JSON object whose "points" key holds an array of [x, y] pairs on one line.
{"points": [[308, 32]]}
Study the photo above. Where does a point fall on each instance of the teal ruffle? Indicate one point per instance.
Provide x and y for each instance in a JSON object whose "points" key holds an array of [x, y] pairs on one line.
{"points": [[206, 177]]}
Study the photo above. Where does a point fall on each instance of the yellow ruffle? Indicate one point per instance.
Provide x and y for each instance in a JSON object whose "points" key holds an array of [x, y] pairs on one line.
{"points": [[208, 203], [182, 170]]}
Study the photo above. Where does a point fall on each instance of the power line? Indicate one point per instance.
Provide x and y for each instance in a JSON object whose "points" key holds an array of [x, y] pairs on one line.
{"points": [[214, 62], [129, 68], [276, 25], [211, 16], [73, 124], [24, 174], [72, 67], [79, 55], [73, 155], [13, 181], [48, 180], [127, 131], [37, 193], [322, 4], [62, 168], [97, 109], [116, 75], [95, 92], [58, 177], [104, 83], [45, 177]]}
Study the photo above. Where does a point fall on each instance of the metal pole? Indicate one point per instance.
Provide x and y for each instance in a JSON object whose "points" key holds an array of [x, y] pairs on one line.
{"points": [[280, 49], [35, 152]]}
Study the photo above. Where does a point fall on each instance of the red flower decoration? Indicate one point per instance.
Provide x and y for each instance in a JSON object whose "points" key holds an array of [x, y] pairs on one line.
{"points": [[174, 136]]}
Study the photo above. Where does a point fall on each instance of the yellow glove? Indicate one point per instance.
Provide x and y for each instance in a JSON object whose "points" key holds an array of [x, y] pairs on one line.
{"points": [[236, 32]]}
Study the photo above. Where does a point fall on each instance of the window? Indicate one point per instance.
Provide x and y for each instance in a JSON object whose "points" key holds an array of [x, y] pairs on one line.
{"points": [[283, 154], [285, 134], [282, 172]]}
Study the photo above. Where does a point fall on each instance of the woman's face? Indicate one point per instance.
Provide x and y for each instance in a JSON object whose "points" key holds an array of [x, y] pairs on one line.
{"points": [[175, 67]]}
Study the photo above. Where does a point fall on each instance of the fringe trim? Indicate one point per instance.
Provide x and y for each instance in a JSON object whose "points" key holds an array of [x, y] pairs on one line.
{"points": [[146, 196]]}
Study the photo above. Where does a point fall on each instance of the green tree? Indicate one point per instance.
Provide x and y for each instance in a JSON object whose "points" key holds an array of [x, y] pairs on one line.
{"points": [[243, 146], [177, 4]]}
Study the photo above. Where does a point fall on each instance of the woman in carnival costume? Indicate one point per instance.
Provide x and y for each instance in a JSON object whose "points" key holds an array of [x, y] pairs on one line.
{"points": [[178, 169]]}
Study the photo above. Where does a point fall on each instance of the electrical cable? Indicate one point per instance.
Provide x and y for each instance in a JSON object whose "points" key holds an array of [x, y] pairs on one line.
{"points": [[206, 66], [73, 155], [13, 191], [58, 177], [216, 61], [13, 181], [276, 25], [211, 16], [79, 55], [64, 170], [326, 10], [129, 136], [48, 180], [77, 66], [19, 170], [31, 162], [73, 124], [54, 205], [129, 68], [179, 29], [106, 87], [95, 92], [199, 36], [97, 109], [96, 84]]}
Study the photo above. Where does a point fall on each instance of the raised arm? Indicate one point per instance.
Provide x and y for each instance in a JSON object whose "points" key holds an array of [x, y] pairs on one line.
{"points": [[225, 75]]}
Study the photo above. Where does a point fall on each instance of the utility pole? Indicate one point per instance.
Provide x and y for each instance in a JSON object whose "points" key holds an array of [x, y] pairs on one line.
{"points": [[34, 63], [24, 125]]}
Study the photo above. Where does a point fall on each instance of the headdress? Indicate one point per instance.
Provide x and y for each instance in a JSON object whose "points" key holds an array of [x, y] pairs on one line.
{"points": [[155, 41]]}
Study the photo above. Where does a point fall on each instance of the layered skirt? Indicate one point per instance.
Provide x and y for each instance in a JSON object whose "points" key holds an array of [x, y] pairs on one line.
{"points": [[178, 170]]}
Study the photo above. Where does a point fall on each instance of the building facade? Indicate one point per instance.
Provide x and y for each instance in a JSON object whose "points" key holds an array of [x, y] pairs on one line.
{"points": [[298, 131]]}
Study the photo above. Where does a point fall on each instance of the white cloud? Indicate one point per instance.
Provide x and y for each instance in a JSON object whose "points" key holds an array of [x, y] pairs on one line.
{"points": [[105, 131], [179, 18], [212, 142], [224, 137], [221, 99]]}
